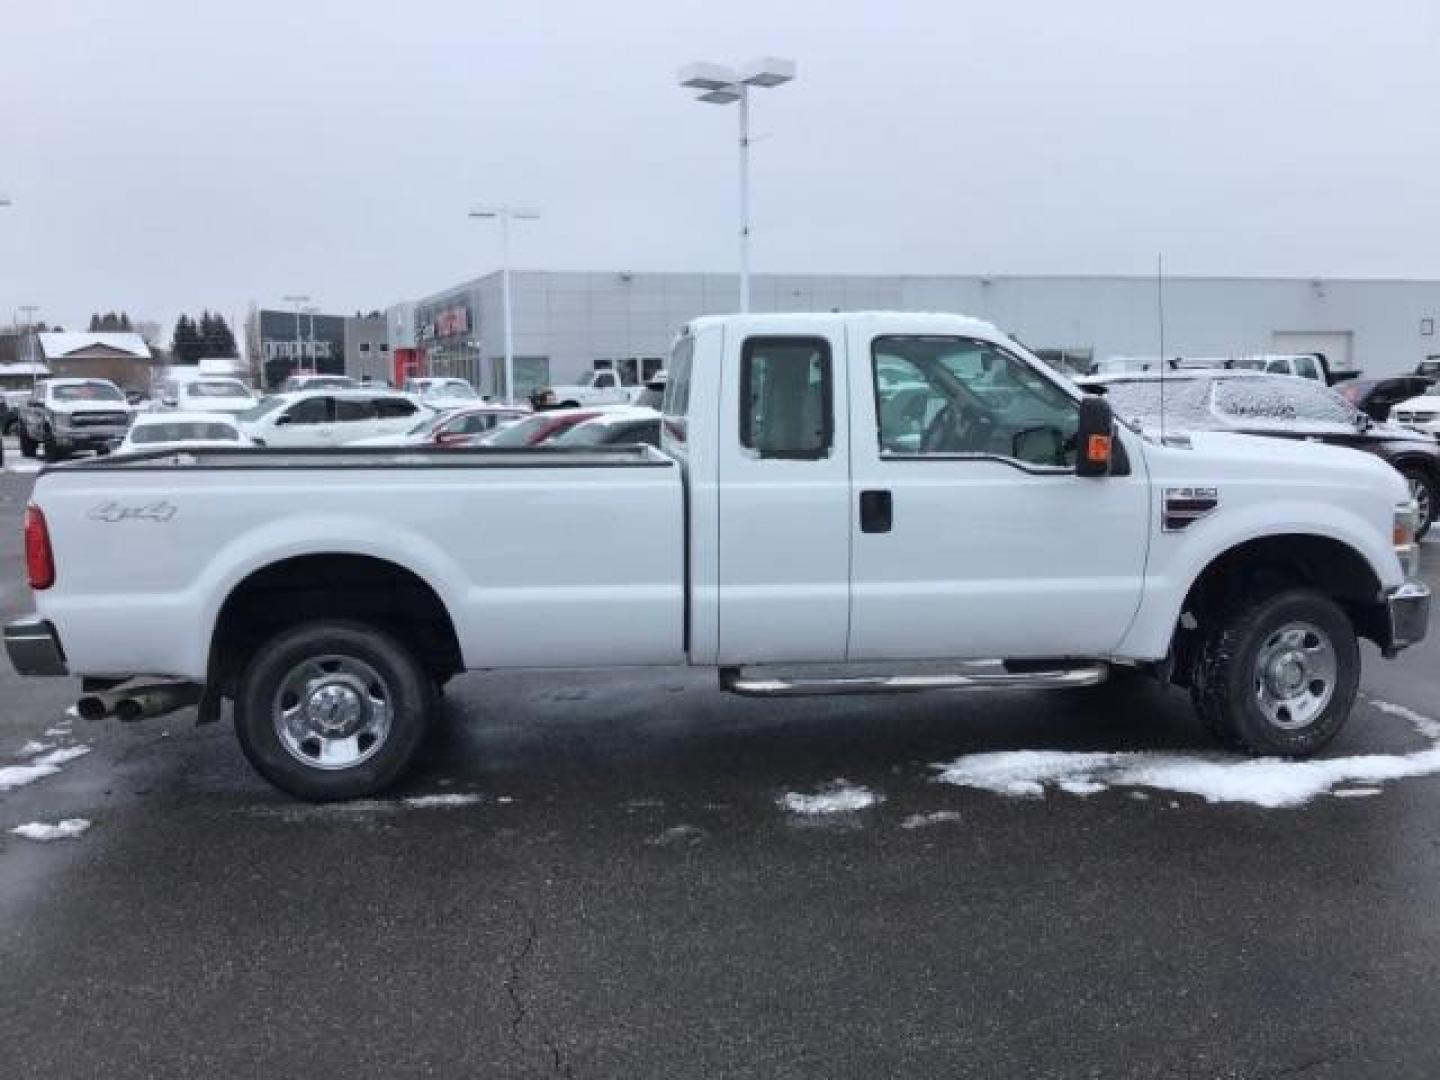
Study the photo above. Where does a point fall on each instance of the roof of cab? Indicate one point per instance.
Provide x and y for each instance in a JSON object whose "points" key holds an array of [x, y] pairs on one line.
{"points": [[895, 321]]}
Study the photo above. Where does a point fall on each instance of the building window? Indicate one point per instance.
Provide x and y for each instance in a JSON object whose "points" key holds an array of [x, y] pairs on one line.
{"points": [[364, 346]]}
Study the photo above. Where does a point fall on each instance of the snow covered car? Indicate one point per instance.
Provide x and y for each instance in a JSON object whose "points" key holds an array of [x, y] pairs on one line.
{"points": [[1420, 414], [1276, 406], [462, 427], [442, 394], [210, 395], [181, 431], [538, 428], [616, 427], [319, 418]]}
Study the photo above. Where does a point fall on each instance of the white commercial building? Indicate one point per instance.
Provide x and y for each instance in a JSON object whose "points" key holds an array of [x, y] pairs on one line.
{"points": [[567, 324]]}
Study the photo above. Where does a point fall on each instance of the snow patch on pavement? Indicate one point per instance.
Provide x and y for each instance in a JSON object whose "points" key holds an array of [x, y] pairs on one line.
{"points": [[13, 776], [55, 732], [1264, 782], [31, 748], [924, 821], [69, 829], [836, 797], [455, 799]]}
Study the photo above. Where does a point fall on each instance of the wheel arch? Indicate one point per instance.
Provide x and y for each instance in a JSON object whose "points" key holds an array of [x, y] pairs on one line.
{"points": [[300, 588], [1267, 564]]}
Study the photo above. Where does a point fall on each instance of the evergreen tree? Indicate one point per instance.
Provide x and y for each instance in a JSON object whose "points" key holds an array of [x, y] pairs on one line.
{"points": [[186, 344], [94, 321], [125, 323]]}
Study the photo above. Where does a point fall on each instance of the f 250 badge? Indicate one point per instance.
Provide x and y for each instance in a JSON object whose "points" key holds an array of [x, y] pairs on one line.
{"points": [[114, 511]]}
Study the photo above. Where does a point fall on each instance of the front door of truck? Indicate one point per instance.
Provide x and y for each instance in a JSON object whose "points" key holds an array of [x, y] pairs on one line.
{"points": [[973, 537], [784, 491]]}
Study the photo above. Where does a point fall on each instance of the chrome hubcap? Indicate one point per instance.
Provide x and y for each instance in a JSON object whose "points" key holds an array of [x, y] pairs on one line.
{"points": [[1295, 675], [1420, 492], [332, 712]]}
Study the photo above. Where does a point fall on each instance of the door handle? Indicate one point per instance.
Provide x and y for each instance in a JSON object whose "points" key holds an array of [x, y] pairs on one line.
{"points": [[877, 511]]}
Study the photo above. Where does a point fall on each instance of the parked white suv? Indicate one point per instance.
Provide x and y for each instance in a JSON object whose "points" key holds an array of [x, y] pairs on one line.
{"points": [[319, 418], [1419, 414]]}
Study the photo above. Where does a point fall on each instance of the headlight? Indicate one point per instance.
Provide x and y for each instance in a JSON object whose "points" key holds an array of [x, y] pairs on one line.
{"points": [[1407, 524]]}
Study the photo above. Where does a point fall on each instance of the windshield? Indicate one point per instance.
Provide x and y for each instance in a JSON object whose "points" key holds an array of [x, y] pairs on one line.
{"points": [[182, 431], [592, 433], [86, 391], [217, 388], [263, 407]]}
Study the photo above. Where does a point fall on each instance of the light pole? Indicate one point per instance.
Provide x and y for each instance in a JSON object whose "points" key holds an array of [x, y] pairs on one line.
{"points": [[721, 85], [30, 311], [314, 356], [297, 300], [504, 214]]}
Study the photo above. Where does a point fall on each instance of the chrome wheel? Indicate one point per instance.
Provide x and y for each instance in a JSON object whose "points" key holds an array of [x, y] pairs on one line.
{"points": [[1295, 675], [332, 712], [1420, 492]]}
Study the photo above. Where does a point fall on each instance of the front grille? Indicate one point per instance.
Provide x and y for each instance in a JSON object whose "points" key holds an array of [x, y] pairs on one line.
{"points": [[98, 419]]}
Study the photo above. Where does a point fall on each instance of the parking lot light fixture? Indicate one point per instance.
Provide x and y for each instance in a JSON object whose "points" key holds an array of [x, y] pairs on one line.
{"points": [[717, 84], [504, 215], [297, 299]]}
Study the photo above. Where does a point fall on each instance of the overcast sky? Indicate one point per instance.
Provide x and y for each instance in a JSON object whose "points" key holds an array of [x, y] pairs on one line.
{"points": [[166, 155]]}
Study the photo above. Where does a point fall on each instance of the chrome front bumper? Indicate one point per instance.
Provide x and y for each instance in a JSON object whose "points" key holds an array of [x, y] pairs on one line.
{"points": [[1409, 611], [34, 647]]}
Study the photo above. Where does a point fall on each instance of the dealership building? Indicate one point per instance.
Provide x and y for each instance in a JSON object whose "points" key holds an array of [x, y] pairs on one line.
{"points": [[567, 324]]}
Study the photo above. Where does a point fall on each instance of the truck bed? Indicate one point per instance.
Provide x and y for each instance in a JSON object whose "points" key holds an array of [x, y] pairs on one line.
{"points": [[420, 457], [540, 557]]}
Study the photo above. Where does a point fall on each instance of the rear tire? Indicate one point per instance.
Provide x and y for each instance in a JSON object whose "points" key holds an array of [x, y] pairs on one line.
{"points": [[28, 446], [52, 449], [332, 709], [1278, 675]]}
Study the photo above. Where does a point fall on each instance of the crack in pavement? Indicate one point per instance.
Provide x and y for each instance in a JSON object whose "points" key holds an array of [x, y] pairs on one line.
{"points": [[519, 1013]]}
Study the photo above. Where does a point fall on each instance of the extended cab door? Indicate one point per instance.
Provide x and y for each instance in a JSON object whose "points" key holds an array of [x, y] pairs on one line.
{"points": [[784, 495], [973, 537]]}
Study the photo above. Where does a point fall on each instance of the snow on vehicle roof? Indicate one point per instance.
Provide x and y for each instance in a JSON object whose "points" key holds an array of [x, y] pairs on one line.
{"points": [[171, 416], [617, 416]]}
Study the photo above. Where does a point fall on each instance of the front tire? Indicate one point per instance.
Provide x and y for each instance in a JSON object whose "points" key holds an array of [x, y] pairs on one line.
{"points": [[1422, 490], [52, 449], [28, 446], [332, 709], [1278, 675]]}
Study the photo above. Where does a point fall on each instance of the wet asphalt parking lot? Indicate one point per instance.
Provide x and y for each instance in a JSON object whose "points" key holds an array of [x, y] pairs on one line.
{"points": [[614, 886]]}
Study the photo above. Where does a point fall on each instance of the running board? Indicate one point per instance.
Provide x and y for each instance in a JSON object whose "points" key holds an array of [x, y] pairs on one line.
{"points": [[733, 681]]}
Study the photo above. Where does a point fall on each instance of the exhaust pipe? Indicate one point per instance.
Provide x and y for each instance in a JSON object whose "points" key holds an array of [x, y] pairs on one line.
{"points": [[95, 706], [147, 701]]}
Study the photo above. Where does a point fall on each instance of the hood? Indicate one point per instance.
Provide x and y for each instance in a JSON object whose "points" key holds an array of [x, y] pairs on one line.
{"points": [[89, 406], [1296, 461]]}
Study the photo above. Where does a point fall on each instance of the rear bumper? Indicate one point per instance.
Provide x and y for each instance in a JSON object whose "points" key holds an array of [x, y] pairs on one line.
{"points": [[1409, 612], [34, 648]]}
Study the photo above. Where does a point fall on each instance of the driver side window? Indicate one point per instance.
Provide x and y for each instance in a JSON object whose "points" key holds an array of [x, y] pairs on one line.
{"points": [[944, 396]]}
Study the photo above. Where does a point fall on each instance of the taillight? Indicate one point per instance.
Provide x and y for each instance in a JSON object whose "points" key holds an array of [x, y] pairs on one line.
{"points": [[39, 559]]}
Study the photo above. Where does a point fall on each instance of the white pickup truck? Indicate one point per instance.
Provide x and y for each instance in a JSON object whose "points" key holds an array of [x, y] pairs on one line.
{"points": [[858, 491], [599, 388]]}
